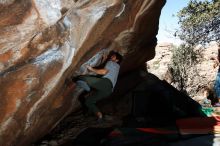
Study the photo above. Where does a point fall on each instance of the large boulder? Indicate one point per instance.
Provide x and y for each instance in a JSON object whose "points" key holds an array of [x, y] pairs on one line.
{"points": [[43, 42]]}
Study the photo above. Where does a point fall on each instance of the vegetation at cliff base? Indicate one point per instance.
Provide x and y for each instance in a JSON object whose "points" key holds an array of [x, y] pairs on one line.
{"points": [[199, 24]]}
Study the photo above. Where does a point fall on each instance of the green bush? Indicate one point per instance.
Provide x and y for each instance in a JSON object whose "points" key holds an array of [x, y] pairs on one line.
{"points": [[182, 64]]}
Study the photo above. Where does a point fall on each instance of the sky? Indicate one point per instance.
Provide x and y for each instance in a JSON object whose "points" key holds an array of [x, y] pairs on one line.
{"points": [[168, 22]]}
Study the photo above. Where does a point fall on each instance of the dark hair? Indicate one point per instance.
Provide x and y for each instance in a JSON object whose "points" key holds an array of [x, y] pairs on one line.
{"points": [[118, 56]]}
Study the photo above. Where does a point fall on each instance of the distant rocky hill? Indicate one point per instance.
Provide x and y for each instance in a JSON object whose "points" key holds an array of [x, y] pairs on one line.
{"points": [[159, 64], [197, 82]]}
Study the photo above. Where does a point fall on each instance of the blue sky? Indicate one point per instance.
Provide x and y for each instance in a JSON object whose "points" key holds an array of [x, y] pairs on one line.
{"points": [[168, 22]]}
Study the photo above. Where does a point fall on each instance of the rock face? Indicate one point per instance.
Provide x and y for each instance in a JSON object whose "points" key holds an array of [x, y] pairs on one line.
{"points": [[205, 71], [42, 42], [159, 65]]}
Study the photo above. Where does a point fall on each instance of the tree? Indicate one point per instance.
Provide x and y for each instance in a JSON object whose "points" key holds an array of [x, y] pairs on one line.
{"points": [[200, 22], [181, 67]]}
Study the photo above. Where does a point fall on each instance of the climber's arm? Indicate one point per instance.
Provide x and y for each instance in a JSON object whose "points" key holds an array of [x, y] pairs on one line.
{"points": [[98, 71]]}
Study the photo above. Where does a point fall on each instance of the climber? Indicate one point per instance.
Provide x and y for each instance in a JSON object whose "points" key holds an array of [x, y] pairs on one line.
{"points": [[101, 86]]}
